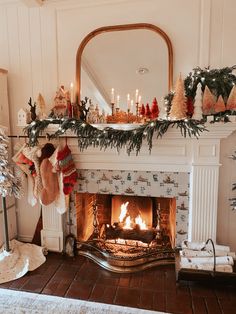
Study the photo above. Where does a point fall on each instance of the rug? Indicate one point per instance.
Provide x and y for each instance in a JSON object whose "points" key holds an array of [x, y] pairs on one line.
{"points": [[18, 302], [22, 258]]}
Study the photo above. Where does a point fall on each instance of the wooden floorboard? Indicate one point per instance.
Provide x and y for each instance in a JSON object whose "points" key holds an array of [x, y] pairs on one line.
{"points": [[153, 289]]}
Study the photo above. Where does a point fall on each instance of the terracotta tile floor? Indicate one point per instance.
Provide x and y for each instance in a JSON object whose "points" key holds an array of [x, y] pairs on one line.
{"points": [[154, 289]]}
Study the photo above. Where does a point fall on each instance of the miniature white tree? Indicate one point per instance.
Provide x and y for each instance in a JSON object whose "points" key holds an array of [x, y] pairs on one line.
{"points": [[197, 114], [163, 111]]}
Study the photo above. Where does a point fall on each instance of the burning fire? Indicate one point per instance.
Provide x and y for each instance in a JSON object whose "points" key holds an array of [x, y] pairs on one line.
{"points": [[127, 221]]}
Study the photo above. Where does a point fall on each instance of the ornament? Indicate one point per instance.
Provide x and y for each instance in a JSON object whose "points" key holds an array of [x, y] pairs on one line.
{"points": [[154, 109], [231, 102], [178, 110], [208, 102], [219, 105]]}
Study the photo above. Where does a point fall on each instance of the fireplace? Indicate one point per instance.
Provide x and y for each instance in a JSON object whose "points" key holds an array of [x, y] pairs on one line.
{"points": [[126, 233], [179, 168], [133, 218]]}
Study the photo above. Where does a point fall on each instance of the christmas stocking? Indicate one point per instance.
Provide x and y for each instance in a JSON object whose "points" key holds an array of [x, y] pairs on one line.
{"points": [[68, 169]]}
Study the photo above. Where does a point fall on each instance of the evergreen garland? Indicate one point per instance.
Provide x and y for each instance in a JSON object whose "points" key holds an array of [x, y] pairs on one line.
{"points": [[88, 135], [219, 81]]}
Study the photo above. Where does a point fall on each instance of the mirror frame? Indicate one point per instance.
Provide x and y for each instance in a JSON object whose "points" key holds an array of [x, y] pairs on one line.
{"points": [[124, 27]]}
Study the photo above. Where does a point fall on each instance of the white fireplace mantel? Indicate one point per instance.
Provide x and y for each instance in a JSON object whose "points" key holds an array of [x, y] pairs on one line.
{"points": [[172, 153]]}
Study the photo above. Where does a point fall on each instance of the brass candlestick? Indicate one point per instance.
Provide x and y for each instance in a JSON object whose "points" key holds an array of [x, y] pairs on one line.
{"points": [[137, 109], [112, 108]]}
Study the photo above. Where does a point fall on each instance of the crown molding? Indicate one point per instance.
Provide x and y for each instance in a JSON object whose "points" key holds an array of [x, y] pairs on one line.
{"points": [[33, 3]]}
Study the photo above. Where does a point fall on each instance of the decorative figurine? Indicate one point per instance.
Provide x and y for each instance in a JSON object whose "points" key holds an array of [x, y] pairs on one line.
{"points": [[32, 110], [83, 111]]}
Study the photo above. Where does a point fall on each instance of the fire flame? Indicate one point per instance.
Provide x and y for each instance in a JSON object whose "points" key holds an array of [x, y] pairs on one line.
{"points": [[123, 211], [128, 221], [141, 223]]}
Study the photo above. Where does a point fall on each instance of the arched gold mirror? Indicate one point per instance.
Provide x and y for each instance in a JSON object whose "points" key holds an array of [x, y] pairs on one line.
{"points": [[127, 58]]}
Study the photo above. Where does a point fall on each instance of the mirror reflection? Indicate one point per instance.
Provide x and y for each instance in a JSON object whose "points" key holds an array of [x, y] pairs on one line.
{"points": [[125, 67]]}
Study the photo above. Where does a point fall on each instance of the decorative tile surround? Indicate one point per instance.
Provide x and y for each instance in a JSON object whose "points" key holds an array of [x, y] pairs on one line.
{"points": [[140, 183]]}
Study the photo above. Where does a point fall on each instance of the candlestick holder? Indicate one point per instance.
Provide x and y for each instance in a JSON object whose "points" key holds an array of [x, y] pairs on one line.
{"points": [[128, 115], [137, 109], [112, 108]]}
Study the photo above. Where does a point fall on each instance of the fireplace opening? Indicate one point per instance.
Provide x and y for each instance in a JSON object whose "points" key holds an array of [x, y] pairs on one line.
{"points": [[126, 232]]}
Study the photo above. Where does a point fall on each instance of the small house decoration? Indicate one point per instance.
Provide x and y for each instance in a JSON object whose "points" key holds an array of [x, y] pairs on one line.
{"points": [[23, 117], [60, 102]]}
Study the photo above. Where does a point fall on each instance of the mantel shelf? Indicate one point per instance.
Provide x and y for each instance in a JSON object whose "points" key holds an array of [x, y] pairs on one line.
{"points": [[216, 130]]}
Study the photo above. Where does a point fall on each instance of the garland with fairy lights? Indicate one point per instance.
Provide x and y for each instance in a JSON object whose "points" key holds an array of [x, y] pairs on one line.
{"points": [[88, 135], [219, 81]]}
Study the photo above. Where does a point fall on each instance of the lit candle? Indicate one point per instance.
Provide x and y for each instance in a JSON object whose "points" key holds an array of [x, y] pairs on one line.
{"points": [[71, 92], [139, 99], [128, 102], [112, 96], [136, 96], [131, 105], [118, 101]]}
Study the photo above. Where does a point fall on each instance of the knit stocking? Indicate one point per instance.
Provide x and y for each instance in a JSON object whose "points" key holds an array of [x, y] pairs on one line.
{"points": [[68, 169]]}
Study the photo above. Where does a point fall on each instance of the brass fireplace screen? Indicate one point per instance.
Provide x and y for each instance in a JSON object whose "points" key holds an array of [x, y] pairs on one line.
{"points": [[126, 233]]}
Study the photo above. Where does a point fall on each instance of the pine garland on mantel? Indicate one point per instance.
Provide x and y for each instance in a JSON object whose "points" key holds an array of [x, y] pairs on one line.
{"points": [[89, 135], [219, 81]]}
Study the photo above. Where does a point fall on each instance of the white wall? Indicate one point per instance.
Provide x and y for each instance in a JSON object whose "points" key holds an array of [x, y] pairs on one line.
{"points": [[38, 47]]}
